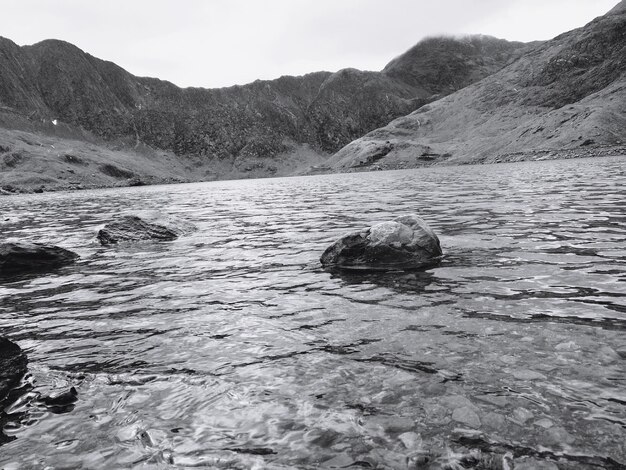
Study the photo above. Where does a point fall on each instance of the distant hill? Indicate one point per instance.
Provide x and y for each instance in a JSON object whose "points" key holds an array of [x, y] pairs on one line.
{"points": [[53, 92], [562, 96]]}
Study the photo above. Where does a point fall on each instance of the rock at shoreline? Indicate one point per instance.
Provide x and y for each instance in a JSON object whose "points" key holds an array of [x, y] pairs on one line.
{"points": [[17, 257], [405, 243], [132, 228]]}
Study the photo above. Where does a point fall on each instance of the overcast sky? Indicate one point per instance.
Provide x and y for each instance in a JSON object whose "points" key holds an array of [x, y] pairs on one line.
{"points": [[212, 43]]}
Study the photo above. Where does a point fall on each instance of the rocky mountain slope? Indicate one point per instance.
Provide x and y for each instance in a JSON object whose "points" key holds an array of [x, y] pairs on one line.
{"points": [[59, 97], [564, 95]]}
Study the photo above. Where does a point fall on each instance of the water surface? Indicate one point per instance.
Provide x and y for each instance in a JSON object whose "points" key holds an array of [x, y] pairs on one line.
{"points": [[232, 348]]}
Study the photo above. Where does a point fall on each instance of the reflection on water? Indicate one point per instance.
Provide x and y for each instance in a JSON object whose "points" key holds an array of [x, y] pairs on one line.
{"points": [[232, 348]]}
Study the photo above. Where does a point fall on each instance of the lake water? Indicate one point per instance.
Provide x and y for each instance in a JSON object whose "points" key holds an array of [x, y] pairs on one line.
{"points": [[233, 348]]}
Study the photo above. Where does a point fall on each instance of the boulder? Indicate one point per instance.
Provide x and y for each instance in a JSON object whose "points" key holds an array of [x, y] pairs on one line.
{"points": [[12, 366], [405, 243], [132, 228], [18, 257]]}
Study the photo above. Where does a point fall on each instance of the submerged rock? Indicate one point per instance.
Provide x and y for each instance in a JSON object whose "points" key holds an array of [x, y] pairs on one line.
{"points": [[62, 402], [467, 416], [405, 243], [17, 257], [62, 399], [132, 228]]}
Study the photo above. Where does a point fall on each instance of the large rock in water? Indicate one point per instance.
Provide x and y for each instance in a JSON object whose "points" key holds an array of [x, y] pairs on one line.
{"points": [[132, 228], [405, 243], [18, 257]]}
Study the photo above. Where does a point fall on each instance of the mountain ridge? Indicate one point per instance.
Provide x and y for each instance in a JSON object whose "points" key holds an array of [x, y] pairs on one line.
{"points": [[446, 100], [566, 93], [264, 128]]}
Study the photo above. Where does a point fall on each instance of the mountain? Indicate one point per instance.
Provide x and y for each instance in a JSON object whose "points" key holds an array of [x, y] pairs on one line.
{"points": [[561, 97], [56, 100]]}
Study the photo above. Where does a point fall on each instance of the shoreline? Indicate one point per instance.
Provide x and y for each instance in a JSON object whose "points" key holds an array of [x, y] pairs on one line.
{"points": [[530, 156]]}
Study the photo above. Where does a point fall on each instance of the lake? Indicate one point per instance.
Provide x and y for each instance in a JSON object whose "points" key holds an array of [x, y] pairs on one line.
{"points": [[233, 348]]}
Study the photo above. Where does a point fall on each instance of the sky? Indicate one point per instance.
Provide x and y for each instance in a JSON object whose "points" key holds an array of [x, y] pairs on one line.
{"points": [[215, 43]]}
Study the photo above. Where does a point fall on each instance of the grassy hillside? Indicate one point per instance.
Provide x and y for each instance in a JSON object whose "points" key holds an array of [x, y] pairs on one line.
{"points": [[563, 96], [265, 128]]}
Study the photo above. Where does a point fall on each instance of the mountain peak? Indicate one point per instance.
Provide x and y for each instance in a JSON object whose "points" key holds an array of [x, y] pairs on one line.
{"points": [[618, 9], [565, 93], [450, 63], [56, 46]]}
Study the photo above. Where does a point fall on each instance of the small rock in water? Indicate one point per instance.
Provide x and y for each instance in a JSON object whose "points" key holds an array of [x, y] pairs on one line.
{"points": [[411, 440], [323, 437], [384, 458], [437, 414], [393, 424], [145, 438], [508, 359], [64, 398], [567, 346], [433, 389], [544, 423], [61, 403], [607, 355], [558, 436], [494, 420], [521, 415], [404, 243], [496, 400], [127, 433], [339, 461], [17, 257], [457, 401], [132, 228], [466, 416], [529, 463], [526, 374]]}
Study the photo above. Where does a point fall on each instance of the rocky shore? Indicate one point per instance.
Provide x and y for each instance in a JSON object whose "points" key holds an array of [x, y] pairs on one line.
{"points": [[439, 160], [562, 154], [69, 184]]}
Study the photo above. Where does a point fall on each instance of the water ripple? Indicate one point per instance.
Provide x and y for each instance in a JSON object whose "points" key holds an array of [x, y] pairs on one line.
{"points": [[233, 348]]}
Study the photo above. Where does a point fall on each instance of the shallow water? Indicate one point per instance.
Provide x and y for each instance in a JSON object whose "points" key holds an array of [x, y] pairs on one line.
{"points": [[232, 348]]}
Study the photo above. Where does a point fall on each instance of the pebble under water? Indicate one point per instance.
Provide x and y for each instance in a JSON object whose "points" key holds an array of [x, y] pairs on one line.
{"points": [[233, 348]]}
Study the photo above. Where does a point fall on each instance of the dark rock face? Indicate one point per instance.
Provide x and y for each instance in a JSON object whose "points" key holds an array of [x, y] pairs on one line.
{"points": [[131, 228], [21, 257], [405, 243], [445, 64]]}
